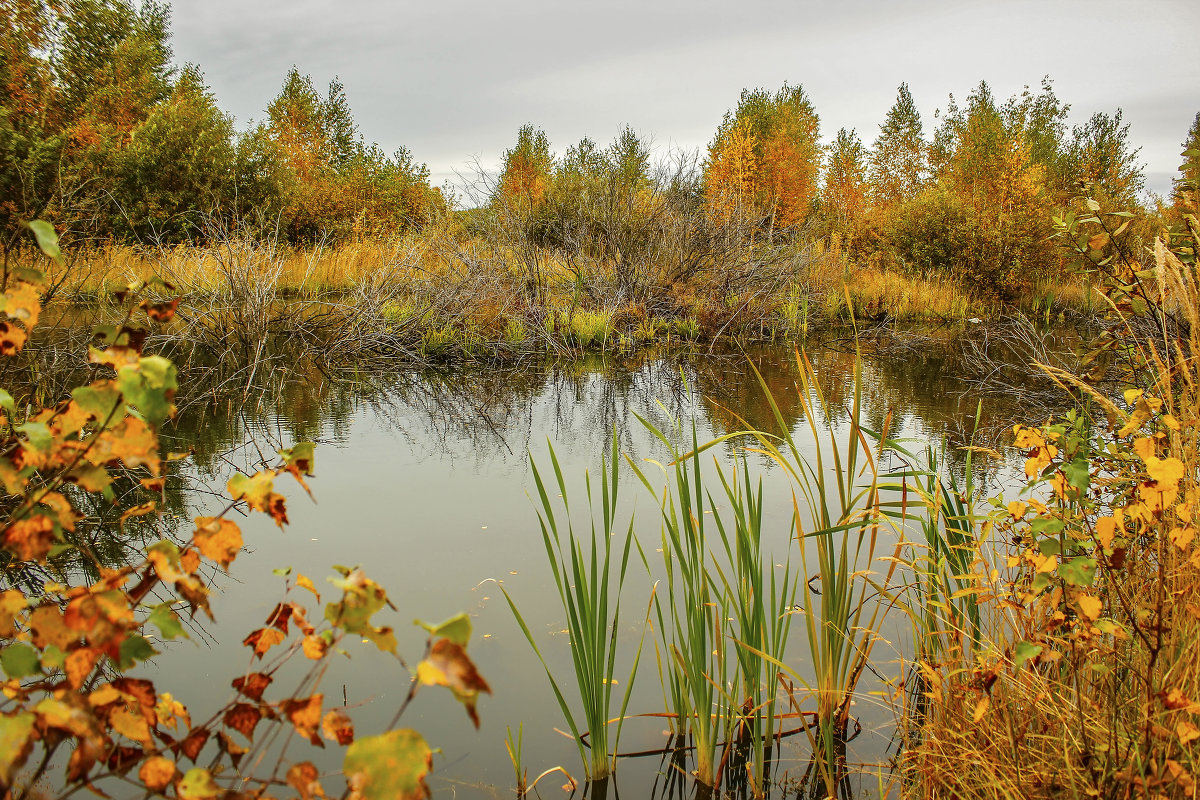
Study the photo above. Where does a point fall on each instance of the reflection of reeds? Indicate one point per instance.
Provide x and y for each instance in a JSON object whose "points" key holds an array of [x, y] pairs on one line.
{"points": [[583, 583]]}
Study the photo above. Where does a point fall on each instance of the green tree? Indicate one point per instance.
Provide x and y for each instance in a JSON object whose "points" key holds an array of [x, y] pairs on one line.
{"points": [[1189, 171], [844, 193], [1102, 162], [898, 161], [1040, 119], [180, 160]]}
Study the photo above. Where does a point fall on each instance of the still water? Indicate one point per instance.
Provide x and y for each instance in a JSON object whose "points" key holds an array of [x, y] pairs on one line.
{"points": [[423, 480]]}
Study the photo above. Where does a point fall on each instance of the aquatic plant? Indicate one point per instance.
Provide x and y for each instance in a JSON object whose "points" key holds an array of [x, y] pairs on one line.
{"points": [[582, 567]]}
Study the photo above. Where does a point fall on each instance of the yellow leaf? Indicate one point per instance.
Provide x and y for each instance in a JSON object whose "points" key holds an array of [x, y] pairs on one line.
{"points": [[157, 773], [1187, 732], [1090, 606], [981, 708], [1106, 531], [218, 539], [305, 582]]}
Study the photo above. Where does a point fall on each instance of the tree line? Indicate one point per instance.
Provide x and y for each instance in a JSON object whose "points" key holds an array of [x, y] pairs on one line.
{"points": [[101, 134]]}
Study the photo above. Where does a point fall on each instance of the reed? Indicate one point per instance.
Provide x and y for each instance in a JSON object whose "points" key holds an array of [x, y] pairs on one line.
{"points": [[695, 610], [761, 607], [839, 486], [582, 567]]}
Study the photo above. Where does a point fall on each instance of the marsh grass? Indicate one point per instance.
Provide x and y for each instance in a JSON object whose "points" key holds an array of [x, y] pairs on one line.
{"points": [[582, 567]]}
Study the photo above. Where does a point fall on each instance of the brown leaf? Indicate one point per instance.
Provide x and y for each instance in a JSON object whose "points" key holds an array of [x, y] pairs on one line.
{"points": [[122, 758], [338, 727], [305, 714], [448, 665], [157, 773], [194, 743], [252, 685], [243, 718], [139, 689], [263, 640], [305, 779]]}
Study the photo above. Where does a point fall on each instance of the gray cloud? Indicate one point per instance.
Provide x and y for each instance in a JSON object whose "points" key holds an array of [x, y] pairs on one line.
{"points": [[454, 79]]}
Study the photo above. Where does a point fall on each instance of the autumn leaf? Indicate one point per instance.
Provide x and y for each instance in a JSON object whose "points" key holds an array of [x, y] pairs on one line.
{"points": [[263, 640], [15, 732], [337, 727], [1187, 732], [157, 773], [1090, 607], [448, 665], [218, 539], [30, 539], [131, 725], [305, 779], [243, 718], [391, 766], [305, 714], [194, 743], [252, 685]]}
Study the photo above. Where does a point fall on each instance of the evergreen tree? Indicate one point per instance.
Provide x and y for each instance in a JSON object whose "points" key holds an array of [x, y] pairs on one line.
{"points": [[844, 194], [898, 162]]}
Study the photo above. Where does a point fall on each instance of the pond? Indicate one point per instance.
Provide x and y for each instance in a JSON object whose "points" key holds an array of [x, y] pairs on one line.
{"points": [[424, 480]]}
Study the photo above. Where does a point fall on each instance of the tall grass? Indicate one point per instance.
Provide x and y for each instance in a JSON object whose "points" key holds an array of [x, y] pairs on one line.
{"points": [[582, 567], [695, 639], [839, 486], [761, 607]]}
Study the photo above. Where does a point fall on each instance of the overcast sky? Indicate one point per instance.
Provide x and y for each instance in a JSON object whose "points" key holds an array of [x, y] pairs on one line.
{"points": [[453, 80]]}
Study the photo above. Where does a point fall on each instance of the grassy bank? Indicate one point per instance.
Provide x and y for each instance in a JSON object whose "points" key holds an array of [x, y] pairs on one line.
{"points": [[445, 294]]}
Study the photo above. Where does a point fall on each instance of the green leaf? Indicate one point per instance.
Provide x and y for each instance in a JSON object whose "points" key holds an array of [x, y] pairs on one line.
{"points": [[198, 784], [149, 385], [1079, 571], [19, 660], [392, 766], [457, 629], [1077, 473], [167, 622], [7, 403], [38, 434], [99, 401], [1047, 526], [1093, 205], [134, 649], [1026, 651], [15, 731], [46, 237]]}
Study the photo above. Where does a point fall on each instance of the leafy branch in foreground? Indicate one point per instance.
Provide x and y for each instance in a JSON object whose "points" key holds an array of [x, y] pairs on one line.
{"points": [[73, 630]]}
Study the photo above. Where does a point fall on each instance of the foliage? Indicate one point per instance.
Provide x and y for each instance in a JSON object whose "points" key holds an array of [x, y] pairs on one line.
{"points": [[74, 628], [765, 159], [898, 166]]}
